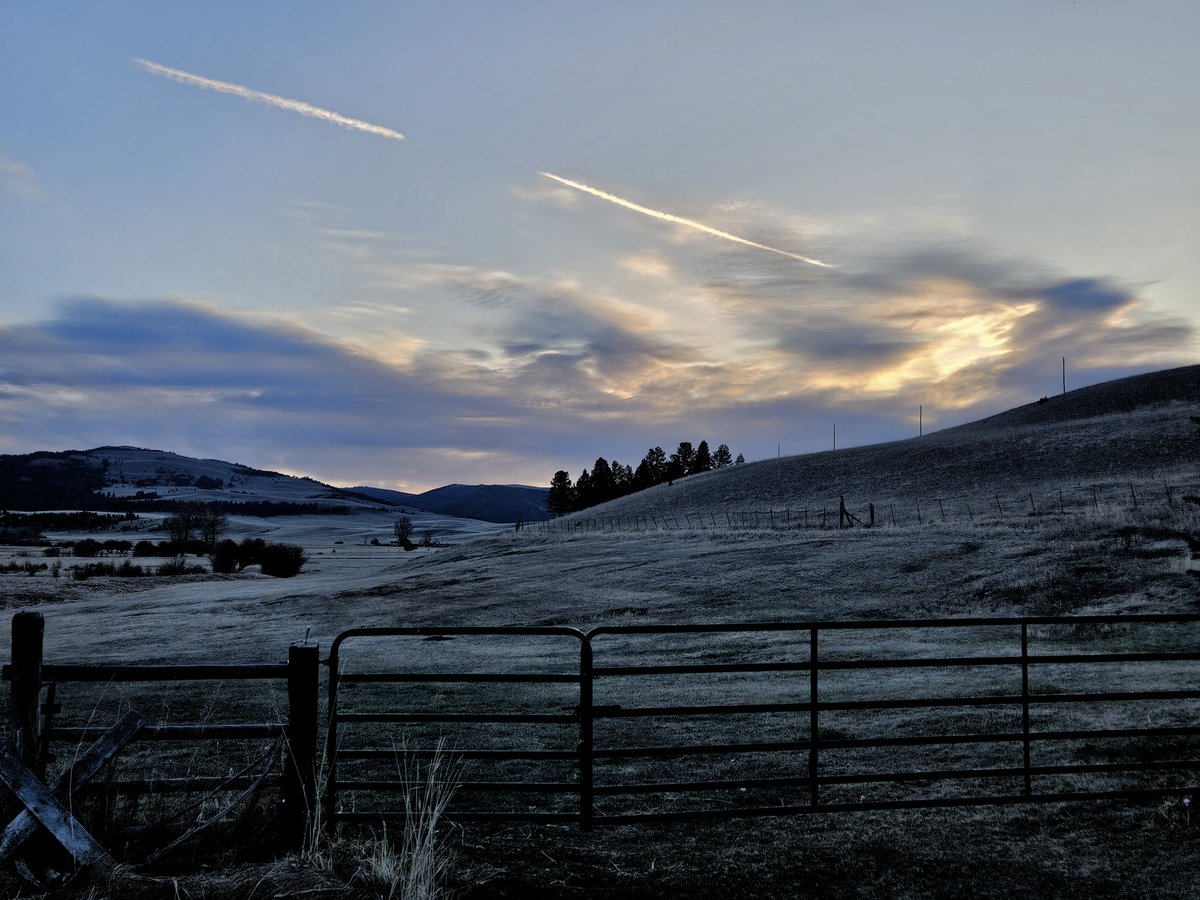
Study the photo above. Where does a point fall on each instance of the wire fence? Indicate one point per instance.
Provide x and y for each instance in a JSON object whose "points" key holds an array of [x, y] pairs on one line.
{"points": [[900, 512]]}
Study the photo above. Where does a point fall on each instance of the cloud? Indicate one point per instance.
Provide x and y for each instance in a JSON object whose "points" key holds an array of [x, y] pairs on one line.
{"points": [[298, 106], [185, 376], [951, 322], [17, 179]]}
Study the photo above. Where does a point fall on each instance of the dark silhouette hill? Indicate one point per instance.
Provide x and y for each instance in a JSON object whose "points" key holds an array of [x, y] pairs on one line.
{"points": [[486, 502]]}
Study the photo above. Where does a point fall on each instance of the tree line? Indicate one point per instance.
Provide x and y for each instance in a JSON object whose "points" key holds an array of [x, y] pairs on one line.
{"points": [[607, 481]]}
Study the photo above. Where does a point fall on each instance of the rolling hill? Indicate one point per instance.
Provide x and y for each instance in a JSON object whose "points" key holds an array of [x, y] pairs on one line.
{"points": [[1136, 430]]}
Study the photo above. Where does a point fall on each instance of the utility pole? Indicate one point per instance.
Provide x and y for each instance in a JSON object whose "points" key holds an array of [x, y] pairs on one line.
{"points": [[1064, 374], [920, 421]]}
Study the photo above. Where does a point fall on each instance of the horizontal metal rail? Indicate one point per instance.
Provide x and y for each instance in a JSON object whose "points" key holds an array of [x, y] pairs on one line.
{"points": [[737, 784], [482, 677], [197, 732], [54, 672], [887, 805], [492, 718], [193, 785]]}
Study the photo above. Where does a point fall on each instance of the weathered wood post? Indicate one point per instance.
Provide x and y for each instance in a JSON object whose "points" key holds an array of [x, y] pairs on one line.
{"points": [[300, 774], [28, 629], [841, 512]]}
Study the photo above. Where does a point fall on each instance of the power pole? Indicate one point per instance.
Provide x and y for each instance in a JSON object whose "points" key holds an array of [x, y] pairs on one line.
{"points": [[920, 421], [1064, 374]]}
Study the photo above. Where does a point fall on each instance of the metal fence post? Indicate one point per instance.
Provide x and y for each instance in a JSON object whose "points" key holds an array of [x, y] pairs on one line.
{"points": [[586, 759], [1025, 706], [813, 732], [329, 802], [28, 629], [300, 790]]}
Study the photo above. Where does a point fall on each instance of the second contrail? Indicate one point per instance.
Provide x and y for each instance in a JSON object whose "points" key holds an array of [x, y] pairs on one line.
{"points": [[299, 106], [680, 220]]}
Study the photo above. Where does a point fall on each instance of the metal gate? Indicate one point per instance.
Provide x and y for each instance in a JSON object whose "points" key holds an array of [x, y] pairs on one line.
{"points": [[767, 719], [514, 692]]}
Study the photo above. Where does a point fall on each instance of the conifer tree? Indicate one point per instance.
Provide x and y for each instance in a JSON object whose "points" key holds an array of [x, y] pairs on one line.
{"points": [[561, 499]]}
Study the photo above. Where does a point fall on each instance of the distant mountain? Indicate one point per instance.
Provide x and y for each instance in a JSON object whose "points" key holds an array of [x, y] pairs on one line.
{"points": [[487, 502], [130, 478], [133, 478]]}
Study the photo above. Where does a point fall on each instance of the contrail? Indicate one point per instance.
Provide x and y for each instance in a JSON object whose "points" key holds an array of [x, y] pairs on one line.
{"points": [[679, 220], [305, 109]]}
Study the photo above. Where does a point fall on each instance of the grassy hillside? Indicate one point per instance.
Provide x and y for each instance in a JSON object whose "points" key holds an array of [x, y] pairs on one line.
{"points": [[1137, 430]]}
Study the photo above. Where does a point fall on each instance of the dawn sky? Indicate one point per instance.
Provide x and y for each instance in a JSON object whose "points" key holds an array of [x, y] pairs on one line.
{"points": [[407, 244]]}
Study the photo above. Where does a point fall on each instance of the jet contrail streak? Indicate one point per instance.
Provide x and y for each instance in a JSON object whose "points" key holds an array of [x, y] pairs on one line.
{"points": [[305, 109], [679, 220]]}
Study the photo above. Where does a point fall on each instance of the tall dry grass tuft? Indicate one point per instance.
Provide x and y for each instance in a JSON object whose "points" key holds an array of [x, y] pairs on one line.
{"points": [[417, 871]]}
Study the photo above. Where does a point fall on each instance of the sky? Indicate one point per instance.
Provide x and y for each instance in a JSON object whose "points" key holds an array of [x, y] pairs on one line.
{"points": [[410, 244]]}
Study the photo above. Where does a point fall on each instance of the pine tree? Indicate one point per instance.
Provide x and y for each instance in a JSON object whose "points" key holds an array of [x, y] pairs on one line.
{"points": [[583, 491], [703, 459], [741, 459], [681, 461], [656, 461], [561, 499], [722, 457], [603, 483]]}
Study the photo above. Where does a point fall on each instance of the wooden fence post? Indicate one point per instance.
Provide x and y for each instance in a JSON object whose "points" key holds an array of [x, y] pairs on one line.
{"points": [[300, 774], [28, 629]]}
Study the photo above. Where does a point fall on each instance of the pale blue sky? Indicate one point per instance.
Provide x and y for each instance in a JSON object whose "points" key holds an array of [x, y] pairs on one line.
{"points": [[997, 185]]}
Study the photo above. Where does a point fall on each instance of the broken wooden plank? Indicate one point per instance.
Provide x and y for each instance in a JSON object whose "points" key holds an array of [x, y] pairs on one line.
{"points": [[82, 770], [49, 812]]}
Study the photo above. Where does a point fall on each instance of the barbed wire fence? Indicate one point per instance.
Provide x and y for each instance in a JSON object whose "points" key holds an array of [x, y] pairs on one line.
{"points": [[840, 513]]}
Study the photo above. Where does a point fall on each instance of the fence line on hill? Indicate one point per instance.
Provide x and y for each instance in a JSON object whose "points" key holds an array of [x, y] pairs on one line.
{"points": [[991, 507]]}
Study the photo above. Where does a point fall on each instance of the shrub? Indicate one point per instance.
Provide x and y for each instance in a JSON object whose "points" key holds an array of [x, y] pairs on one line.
{"points": [[250, 552], [225, 558], [282, 560], [145, 548], [86, 548], [179, 566], [52, 552]]}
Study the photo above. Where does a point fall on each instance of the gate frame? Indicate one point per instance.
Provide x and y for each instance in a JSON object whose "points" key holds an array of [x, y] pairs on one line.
{"points": [[588, 712]]}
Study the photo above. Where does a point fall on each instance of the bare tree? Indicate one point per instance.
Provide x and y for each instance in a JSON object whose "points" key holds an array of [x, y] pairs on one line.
{"points": [[403, 527], [211, 523]]}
